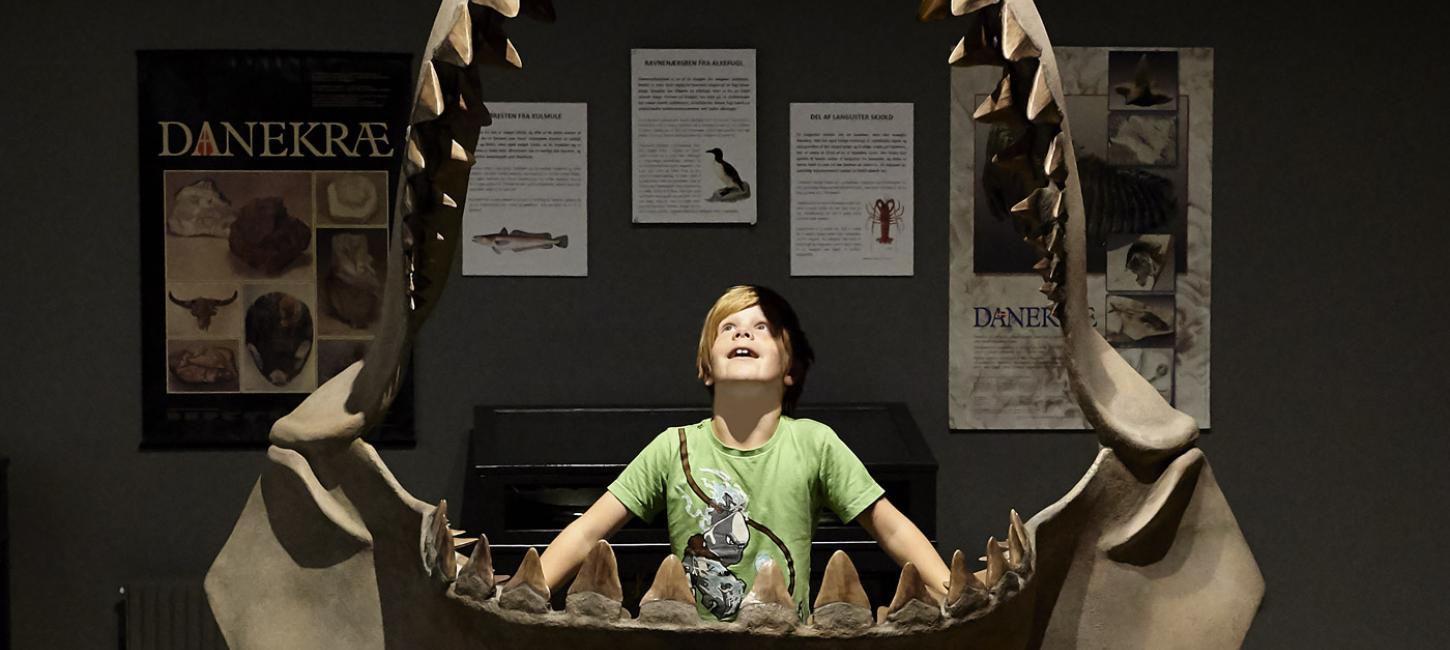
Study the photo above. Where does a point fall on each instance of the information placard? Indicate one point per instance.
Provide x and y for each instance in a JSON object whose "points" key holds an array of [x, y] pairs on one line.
{"points": [[693, 131]]}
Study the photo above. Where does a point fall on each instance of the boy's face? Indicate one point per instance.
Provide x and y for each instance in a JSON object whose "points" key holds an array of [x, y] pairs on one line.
{"points": [[746, 350]]}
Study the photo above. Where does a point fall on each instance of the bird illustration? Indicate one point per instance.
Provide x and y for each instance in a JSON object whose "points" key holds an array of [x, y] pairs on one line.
{"points": [[1139, 92], [733, 188]]}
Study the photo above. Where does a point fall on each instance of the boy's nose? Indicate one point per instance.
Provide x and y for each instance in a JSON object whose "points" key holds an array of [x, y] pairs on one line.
{"points": [[744, 333]]}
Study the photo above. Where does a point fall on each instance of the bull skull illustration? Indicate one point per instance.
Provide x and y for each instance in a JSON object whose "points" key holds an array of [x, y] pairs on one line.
{"points": [[202, 308]]}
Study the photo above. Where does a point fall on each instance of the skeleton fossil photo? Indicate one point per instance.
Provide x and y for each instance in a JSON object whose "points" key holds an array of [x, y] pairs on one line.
{"points": [[1147, 220]]}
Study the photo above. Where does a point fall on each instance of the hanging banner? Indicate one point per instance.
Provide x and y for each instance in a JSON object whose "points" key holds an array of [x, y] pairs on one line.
{"points": [[266, 181], [1142, 126]]}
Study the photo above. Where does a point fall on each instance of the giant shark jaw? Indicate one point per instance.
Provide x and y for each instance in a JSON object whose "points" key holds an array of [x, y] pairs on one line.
{"points": [[331, 551]]}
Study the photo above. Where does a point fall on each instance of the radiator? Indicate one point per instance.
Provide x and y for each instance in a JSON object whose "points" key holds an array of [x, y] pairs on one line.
{"points": [[168, 615]]}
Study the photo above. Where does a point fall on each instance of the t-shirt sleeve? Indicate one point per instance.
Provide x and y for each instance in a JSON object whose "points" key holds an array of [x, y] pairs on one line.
{"points": [[641, 486], [846, 485]]}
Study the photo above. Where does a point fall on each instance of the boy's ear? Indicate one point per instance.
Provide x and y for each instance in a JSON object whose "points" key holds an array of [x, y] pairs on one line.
{"points": [[789, 380]]}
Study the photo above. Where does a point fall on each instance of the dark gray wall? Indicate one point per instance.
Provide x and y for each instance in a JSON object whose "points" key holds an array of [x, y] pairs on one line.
{"points": [[1329, 367]]}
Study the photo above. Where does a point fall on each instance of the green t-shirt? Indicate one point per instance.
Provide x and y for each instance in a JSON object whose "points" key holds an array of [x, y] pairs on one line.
{"points": [[762, 504]]}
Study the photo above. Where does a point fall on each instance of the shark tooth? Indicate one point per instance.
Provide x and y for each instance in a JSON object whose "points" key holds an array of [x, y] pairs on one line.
{"points": [[511, 55], [460, 542], [476, 578], [1050, 289], [964, 7], [527, 590], [998, 107], [932, 10], [1041, 107], [509, 8], [599, 574], [1030, 210], [669, 599], [1015, 551], [1043, 266], [458, 153], [841, 583], [1017, 526], [596, 592], [975, 48], [1016, 44], [996, 564], [438, 549], [448, 201], [408, 202], [913, 605], [670, 583], [964, 592], [769, 587], [457, 46], [1053, 165], [1055, 239], [841, 604], [768, 606], [429, 104], [413, 162]]}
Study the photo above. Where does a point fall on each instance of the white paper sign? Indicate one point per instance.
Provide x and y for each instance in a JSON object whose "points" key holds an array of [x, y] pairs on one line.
{"points": [[527, 211], [852, 207], [693, 128]]}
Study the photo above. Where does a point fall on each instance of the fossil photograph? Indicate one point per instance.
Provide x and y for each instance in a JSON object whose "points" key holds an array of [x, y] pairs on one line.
{"points": [[201, 366], [1142, 139], [267, 233], [1144, 263], [352, 198], [203, 309], [1133, 320], [350, 278], [1143, 81], [280, 334]]}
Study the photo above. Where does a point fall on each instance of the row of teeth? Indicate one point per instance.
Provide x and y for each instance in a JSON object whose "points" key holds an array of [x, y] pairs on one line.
{"points": [[447, 113], [841, 605], [1022, 103]]}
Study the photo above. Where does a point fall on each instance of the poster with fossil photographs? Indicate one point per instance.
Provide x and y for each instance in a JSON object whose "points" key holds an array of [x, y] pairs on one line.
{"points": [[264, 226], [1142, 125]]}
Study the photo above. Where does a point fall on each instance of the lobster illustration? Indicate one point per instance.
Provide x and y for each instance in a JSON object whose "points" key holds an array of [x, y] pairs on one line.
{"points": [[883, 214]]}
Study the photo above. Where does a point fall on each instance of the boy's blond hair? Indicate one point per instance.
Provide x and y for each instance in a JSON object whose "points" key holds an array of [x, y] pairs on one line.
{"points": [[784, 326]]}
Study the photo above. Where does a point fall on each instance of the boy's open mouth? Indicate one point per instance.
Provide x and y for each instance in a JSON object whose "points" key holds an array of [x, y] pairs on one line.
{"points": [[738, 353]]}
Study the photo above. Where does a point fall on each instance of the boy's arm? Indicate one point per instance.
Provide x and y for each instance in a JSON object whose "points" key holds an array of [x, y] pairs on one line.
{"points": [[564, 555], [903, 541]]}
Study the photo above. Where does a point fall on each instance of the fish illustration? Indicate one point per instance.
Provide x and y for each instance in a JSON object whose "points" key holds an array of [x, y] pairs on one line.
{"points": [[518, 240]]}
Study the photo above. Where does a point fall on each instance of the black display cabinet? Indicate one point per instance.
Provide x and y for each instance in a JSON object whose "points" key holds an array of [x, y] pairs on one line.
{"points": [[533, 470]]}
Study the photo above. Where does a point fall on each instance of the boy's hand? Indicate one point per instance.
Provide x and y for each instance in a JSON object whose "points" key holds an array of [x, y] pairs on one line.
{"points": [[564, 555], [903, 541]]}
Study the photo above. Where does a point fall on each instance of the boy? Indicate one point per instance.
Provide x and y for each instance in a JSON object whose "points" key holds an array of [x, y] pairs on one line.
{"points": [[744, 486]]}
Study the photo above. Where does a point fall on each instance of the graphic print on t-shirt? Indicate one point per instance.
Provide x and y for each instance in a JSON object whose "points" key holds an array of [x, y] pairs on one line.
{"points": [[724, 524], [720, 542]]}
